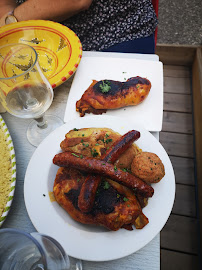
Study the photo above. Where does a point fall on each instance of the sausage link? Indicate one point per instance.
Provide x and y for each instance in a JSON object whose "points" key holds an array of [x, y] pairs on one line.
{"points": [[91, 165], [89, 187], [121, 145]]}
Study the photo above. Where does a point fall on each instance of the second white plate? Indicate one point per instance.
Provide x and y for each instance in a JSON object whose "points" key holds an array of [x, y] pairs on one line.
{"points": [[87, 242], [149, 113]]}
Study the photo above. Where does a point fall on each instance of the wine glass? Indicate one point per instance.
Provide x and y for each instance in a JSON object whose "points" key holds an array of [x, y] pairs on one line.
{"points": [[25, 91]]}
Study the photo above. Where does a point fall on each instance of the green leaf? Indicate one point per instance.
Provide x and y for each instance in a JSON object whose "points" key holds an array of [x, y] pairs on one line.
{"points": [[105, 87], [106, 185]]}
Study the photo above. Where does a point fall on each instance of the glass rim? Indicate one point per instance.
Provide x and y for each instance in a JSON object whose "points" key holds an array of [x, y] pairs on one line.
{"points": [[40, 249], [25, 72]]}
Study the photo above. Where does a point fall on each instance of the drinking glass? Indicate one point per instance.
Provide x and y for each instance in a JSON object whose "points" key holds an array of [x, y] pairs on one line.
{"points": [[23, 251], [25, 91]]}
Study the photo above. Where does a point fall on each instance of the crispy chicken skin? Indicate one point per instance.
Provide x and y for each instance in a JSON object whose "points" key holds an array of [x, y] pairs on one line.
{"points": [[148, 167], [115, 206], [115, 95], [94, 142]]}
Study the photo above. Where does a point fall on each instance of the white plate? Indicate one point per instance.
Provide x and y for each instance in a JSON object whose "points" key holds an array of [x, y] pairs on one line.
{"points": [[149, 113], [86, 242]]}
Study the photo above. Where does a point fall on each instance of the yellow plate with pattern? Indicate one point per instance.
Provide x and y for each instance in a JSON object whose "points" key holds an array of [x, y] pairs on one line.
{"points": [[58, 47]]}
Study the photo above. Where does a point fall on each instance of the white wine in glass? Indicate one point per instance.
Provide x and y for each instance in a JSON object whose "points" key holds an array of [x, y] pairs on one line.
{"points": [[25, 92]]}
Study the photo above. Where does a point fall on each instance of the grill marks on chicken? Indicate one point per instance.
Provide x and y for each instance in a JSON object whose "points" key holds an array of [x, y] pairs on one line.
{"points": [[89, 187], [114, 207], [109, 94]]}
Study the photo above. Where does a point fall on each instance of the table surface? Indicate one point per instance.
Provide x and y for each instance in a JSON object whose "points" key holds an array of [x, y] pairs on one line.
{"points": [[146, 258]]}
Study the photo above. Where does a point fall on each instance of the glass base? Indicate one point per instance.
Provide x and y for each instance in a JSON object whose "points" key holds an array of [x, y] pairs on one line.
{"points": [[36, 135]]}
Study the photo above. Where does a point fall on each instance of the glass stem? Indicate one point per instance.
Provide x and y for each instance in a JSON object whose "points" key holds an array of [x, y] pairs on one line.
{"points": [[41, 122]]}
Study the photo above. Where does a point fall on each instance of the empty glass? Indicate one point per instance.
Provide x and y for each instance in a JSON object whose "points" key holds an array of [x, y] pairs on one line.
{"points": [[24, 90], [24, 251]]}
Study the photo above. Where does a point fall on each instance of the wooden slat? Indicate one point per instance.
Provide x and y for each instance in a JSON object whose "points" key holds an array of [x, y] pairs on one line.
{"points": [[177, 103], [176, 71], [177, 122], [197, 102], [184, 170], [176, 54], [180, 234], [177, 85], [171, 260], [185, 201], [177, 144], [174, 67]]}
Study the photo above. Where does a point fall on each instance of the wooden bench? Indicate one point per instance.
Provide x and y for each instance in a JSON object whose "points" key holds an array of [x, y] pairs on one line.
{"points": [[181, 136]]}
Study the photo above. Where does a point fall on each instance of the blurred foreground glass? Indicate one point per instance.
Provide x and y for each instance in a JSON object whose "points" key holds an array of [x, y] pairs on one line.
{"points": [[24, 90], [23, 251]]}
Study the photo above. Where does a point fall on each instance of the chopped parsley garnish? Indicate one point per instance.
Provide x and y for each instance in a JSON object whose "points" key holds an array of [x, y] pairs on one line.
{"points": [[75, 129], [81, 156], [97, 144], [105, 87], [83, 135], [106, 185], [78, 180], [106, 135], [82, 140], [108, 140], [115, 168], [118, 195], [94, 153], [75, 155], [85, 145], [125, 199]]}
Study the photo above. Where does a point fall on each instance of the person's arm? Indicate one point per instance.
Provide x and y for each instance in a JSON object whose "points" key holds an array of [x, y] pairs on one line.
{"points": [[56, 10], [6, 6]]}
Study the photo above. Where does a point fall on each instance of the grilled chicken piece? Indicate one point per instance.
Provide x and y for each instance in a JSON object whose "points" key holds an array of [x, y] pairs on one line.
{"points": [[108, 94], [94, 142], [115, 206]]}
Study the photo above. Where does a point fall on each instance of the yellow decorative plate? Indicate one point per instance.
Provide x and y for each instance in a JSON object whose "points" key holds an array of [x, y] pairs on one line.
{"points": [[59, 49]]}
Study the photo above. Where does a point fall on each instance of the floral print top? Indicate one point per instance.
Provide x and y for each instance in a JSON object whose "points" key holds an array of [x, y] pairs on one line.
{"points": [[108, 22]]}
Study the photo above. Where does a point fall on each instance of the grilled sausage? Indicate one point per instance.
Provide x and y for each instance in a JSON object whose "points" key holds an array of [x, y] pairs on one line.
{"points": [[88, 190], [91, 165]]}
